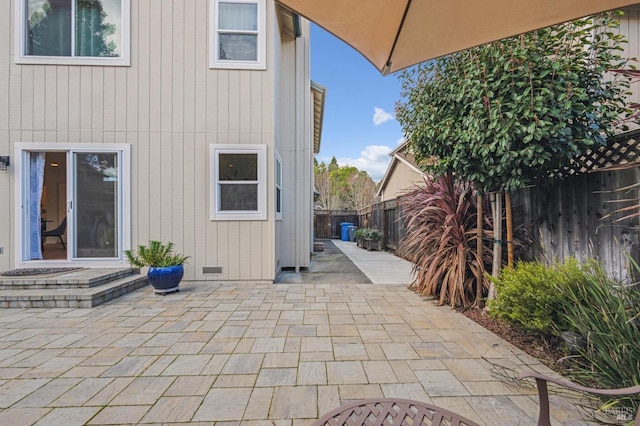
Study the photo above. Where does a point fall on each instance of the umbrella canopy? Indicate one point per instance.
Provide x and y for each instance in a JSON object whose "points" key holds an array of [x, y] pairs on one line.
{"points": [[395, 34]]}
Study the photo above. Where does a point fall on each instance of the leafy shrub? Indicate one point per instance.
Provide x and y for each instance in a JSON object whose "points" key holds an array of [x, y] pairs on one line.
{"points": [[440, 240], [531, 294], [369, 234], [579, 298], [155, 254], [607, 314]]}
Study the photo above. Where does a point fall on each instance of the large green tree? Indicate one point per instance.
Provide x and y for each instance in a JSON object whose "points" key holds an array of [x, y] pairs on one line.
{"points": [[343, 187], [505, 114]]}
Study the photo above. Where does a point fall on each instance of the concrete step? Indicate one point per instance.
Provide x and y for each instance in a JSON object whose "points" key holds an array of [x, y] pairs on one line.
{"points": [[79, 297], [80, 278]]}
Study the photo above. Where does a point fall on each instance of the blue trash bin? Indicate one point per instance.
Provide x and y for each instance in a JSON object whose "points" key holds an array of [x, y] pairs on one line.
{"points": [[344, 230]]}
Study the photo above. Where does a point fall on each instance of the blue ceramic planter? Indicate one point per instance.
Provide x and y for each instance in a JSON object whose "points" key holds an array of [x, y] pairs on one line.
{"points": [[165, 279]]}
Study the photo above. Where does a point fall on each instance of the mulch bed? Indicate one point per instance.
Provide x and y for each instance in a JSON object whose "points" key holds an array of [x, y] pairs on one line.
{"points": [[549, 352], [26, 272]]}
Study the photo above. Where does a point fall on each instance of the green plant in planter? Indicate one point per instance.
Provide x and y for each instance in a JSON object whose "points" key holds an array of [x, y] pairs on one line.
{"points": [[369, 238], [165, 267], [369, 234], [375, 235], [155, 254]]}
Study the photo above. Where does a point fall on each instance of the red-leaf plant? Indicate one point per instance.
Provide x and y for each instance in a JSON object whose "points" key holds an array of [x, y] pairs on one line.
{"points": [[440, 241]]}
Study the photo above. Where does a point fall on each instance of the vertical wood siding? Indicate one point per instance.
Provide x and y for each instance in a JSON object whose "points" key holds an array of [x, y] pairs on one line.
{"points": [[294, 145], [630, 28], [403, 179], [285, 144], [7, 89], [169, 106]]}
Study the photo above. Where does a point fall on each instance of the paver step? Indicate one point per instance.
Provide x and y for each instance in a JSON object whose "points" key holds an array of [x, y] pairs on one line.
{"points": [[71, 297], [80, 278]]}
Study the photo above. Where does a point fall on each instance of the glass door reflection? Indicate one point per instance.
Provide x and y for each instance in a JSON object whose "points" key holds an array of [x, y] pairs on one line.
{"points": [[96, 204]]}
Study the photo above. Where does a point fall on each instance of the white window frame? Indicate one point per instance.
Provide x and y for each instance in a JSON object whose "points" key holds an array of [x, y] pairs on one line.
{"points": [[278, 187], [214, 203], [21, 57], [261, 62], [20, 184]]}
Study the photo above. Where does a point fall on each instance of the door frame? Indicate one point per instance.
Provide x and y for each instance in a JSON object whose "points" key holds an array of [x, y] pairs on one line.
{"points": [[21, 154]]}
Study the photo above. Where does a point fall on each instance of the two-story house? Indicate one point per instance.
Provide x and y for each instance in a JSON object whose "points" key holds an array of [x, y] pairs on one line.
{"points": [[186, 121]]}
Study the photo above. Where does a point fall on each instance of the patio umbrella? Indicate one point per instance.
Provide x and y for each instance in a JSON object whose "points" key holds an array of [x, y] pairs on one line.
{"points": [[395, 34]]}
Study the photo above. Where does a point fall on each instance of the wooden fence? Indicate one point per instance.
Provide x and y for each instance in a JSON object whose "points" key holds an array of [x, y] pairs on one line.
{"points": [[383, 216], [566, 218], [326, 223], [386, 217], [572, 218]]}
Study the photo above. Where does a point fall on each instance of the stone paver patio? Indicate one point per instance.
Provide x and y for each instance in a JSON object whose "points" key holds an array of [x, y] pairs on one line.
{"points": [[255, 354]]}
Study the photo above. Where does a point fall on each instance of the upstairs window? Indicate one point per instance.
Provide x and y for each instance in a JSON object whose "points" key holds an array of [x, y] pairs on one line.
{"points": [[89, 32], [237, 34]]}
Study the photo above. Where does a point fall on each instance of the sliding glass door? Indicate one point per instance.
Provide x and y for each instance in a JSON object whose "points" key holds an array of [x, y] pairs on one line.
{"points": [[73, 203], [95, 205]]}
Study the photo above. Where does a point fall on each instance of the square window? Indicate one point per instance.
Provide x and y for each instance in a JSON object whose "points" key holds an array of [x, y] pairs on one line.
{"points": [[238, 182], [237, 34], [82, 32]]}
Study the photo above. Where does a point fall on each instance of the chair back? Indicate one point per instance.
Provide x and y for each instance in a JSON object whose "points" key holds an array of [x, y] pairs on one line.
{"points": [[57, 231]]}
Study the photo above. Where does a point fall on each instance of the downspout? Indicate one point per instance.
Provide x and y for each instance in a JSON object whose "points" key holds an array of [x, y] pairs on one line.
{"points": [[298, 137], [299, 178]]}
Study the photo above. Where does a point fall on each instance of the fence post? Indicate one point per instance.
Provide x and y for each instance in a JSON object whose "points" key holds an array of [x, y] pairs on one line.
{"points": [[384, 224], [507, 201]]}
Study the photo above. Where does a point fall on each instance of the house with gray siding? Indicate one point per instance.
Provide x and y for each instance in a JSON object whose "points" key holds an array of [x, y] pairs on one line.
{"points": [[130, 120]]}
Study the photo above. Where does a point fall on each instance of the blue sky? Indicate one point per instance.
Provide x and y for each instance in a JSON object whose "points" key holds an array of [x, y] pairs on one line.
{"points": [[359, 125]]}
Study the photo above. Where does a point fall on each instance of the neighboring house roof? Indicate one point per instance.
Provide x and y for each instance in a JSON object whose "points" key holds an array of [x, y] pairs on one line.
{"points": [[399, 155], [622, 152], [319, 94]]}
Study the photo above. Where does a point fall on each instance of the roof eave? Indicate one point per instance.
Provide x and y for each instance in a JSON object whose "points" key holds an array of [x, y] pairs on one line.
{"points": [[319, 94]]}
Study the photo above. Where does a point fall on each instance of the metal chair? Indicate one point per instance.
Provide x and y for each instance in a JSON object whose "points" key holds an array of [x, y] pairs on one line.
{"points": [[58, 232], [391, 411], [401, 412], [543, 394]]}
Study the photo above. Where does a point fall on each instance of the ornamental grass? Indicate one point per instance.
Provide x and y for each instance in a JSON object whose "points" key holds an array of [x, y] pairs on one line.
{"points": [[607, 314], [440, 241]]}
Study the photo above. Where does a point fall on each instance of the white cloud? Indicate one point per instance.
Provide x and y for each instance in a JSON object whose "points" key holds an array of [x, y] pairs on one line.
{"points": [[380, 116], [373, 160]]}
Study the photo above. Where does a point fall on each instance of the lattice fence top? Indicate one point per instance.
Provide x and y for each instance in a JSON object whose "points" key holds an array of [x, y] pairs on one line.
{"points": [[623, 151]]}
